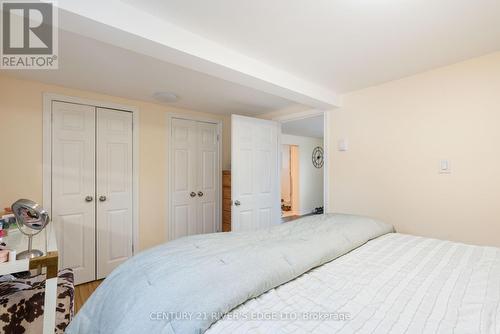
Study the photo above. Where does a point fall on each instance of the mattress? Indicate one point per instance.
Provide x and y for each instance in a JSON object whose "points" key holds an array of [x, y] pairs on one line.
{"points": [[395, 283], [329, 273], [186, 285]]}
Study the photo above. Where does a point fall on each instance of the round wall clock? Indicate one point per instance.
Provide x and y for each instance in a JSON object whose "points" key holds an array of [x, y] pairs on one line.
{"points": [[317, 157]]}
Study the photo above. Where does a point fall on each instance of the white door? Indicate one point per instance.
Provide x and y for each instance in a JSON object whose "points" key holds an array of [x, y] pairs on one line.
{"points": [[194, 178], [254, 173], [114, 189], [73, 187], [208, 161], [184, 198]]}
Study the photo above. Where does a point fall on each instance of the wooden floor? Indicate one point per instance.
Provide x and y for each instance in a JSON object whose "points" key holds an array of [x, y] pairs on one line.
{"points": [[289, 218], [294, 217], [83, 292]]}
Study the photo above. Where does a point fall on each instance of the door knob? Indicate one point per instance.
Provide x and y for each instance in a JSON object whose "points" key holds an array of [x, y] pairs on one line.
{"points": [[200, 193], [192, 194], [237, 203], [89, 199], [102, 198]]}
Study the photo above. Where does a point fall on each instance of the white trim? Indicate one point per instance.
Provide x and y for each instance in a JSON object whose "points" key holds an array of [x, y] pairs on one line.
{"points": [[298, 115], [305, 212], [47, 153], [278, 184], [48, 98], [327, 116], [96, 103], [326, 139], [135, 180], [171, 115]]}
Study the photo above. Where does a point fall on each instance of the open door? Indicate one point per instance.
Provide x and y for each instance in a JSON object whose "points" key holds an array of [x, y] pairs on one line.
{"points": [[255, 178]]}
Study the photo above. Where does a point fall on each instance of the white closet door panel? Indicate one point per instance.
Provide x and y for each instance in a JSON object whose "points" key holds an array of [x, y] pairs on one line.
{"points": [[73, 179], [114, 189], [207, 178], [255, 183], [184, 155]]}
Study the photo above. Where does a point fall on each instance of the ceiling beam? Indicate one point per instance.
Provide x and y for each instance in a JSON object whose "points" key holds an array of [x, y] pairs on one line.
{"points": [[120, 24]]}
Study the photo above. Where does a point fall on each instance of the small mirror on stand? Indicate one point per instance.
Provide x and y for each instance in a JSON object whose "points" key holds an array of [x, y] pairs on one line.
{"points": [[31, 219]]}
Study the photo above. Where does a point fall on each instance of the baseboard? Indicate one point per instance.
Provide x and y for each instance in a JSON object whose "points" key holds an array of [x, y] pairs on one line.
{"points": [[305, 212]]}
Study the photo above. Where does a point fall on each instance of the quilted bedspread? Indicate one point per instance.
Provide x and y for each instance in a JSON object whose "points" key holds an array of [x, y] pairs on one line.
{"points": [[186, 285], [393, 284]]}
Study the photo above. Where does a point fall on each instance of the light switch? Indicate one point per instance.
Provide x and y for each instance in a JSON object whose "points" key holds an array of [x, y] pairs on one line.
{"points": [[444, 167], [342, 145]]}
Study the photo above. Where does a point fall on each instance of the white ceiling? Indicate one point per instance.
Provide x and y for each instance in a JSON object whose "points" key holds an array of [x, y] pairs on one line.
{"points": [[343, 45], [308, 127], [254, 57], [95, 66]]}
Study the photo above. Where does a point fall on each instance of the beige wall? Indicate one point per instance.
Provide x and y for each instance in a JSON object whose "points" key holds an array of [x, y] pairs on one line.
{"points": [[21, 147], [398, 132]]}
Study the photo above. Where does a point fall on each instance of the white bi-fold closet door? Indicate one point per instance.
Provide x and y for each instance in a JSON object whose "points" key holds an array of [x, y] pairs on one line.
{"points": [[194, 178], [92, 188]]}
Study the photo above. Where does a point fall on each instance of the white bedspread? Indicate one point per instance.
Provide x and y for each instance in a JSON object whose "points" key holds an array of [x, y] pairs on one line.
{"points": [[394, 284], [185, 285]]}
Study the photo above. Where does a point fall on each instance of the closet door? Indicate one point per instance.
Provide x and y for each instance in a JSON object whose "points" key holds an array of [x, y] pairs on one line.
{"points": [[207, 178], [114, 189], [73, 187], [183, 184]]}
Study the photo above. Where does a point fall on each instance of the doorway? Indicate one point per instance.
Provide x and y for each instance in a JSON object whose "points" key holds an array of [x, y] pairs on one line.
{"points": [[289, 180], [302, 167]]}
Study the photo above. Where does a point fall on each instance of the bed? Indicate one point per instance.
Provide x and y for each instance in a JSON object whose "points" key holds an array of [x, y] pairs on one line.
{"points": [[329, 273]]}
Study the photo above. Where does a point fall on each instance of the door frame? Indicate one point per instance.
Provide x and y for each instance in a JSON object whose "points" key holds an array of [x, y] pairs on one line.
{"points": [[48, 98], [175, 115], [326, 140]]}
